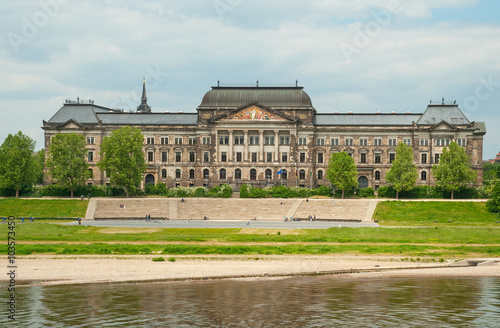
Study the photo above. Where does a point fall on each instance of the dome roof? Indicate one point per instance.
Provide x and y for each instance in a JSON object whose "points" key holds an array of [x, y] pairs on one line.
{"points": [[267, 96]]}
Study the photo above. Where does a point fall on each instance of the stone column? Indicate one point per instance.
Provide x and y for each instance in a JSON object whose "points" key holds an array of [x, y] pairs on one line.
{"points": [[245, 142], [230, 154], [261, 145], [276, 146]]}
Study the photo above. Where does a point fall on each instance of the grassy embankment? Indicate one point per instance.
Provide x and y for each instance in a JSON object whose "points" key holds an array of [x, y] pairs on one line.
{"points": [[43, 208], [454, 240]]}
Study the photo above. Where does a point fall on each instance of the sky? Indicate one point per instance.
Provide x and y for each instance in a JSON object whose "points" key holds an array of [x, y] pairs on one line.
{"points": [[360, 56]]}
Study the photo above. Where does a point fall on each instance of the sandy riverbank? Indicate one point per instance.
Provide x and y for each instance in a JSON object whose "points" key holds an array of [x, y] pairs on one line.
{"points": [[49, 270]]}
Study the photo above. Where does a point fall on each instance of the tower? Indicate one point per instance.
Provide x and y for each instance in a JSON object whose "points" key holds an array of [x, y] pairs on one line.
{"points": [[144, 107]]}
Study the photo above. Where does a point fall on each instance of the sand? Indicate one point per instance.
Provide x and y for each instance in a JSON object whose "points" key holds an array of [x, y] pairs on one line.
{"points": [[50, 269]]}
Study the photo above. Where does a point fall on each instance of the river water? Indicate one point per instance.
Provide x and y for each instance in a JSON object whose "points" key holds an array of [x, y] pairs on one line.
{"points": [[329, 301]]}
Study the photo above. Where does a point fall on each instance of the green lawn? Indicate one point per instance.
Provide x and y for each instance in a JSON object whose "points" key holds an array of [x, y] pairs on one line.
{"points": [[49, 208], [402, 213]]}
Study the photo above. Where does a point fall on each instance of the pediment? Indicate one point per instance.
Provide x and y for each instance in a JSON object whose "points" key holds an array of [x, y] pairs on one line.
{"points": [[443, 126], [70, 125], [255, 113]]}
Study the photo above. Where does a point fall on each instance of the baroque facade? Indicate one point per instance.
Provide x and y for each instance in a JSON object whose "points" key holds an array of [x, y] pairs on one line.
{"points": [[266, 136]]}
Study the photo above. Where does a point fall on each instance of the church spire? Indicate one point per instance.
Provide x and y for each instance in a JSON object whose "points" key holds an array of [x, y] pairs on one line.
{"points": [[144, 107]]}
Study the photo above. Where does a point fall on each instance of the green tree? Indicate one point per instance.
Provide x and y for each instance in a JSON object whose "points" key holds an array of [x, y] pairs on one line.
{"points": [[66, 160], [453, 171], [403, 173], [17, 164], [490, 172], [40, 166], [342, 172], [122, 158]]}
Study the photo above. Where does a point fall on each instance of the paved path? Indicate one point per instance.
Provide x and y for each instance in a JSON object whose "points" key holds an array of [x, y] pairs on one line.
{"points": [[226, 224]]}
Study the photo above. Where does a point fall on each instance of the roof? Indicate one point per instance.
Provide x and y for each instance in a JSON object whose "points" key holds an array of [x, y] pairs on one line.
{"points": [[149, 118], [82, 113], [267, 96], [437, 113], [366, 119]]}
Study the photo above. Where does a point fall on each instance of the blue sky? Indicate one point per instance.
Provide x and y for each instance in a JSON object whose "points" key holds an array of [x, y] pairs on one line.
{"points": [[360, 56]]}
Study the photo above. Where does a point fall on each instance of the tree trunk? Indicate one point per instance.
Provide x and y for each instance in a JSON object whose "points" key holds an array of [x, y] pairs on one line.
{"points": [[452, 192], [342, 193], [397, 194], [72, 193], [17, 193]]}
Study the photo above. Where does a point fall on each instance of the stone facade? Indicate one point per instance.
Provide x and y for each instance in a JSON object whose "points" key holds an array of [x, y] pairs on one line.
{"points": [[246, 135]]}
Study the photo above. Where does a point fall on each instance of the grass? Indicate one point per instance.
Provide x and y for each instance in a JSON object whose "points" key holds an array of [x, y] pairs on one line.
{"points": [[46, 208], [402, 213]]}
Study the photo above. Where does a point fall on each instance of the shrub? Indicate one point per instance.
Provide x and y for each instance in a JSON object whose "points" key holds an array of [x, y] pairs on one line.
{"points": [[367, 192], [158, 259], [493, 204]]}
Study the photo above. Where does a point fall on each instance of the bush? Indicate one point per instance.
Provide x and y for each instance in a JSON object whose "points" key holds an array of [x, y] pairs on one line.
{"points": [[493, 204], [283, 192], [367, 192]]}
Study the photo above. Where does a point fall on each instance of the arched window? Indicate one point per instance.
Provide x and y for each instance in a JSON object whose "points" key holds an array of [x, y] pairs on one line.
{"points": [[191, 174], [164, 174], [320, 175], [362, 182], [269, 174], [423, 176], [302, 174], [178, 174], [206, 174], [150, 179], [253, 174], [377, 175], [237, 174], [284, 174], [222, 174], [91, 174]]}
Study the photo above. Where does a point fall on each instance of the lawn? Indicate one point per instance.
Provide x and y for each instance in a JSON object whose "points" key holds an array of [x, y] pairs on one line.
{"points": [[45, 208], [403, 213]]}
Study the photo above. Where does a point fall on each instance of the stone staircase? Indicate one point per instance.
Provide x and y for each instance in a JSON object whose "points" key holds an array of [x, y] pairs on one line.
{"points": [[337, 209], [134, 208]]}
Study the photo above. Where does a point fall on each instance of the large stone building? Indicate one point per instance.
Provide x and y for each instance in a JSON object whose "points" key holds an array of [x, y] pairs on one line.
{"points": [[247, 135]]}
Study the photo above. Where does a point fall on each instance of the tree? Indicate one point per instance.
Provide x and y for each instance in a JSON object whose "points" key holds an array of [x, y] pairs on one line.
{"points": [[453, 171], [122, 158], [342, 172], [66, 160], [403, 173], [17, 164], [40, 166]]}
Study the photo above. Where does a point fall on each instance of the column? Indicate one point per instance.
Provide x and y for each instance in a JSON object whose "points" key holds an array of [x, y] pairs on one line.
{"points": [[276, 146], [230, 153], [245, 142], [261, 145]]}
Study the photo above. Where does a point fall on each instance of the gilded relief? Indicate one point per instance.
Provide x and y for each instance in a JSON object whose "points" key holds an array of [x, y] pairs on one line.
{"points": [[255, 113]]}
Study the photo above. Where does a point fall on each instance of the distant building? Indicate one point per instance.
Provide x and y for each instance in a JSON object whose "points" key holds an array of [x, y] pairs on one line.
{"points": [[246, 135]]}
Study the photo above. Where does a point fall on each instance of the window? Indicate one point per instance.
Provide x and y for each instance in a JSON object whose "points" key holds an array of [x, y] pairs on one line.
{"points": [[320, 157], [178, 156], [192, 140], [163, 174], [423, 158], [238, 157], [423, 176], [377, 142], [302, 174], [320, 141], [407, 141], [269, 174], [90, 140], [206, 174], [392, 156], [284, 174], [284, 157], [348, 141], [224, 140], [302, 141], [206, 156], [192, 157], [222, 174], [164, 140], [178, 140], [334, 141], [90, 156], [284, 140], [254, 140], [424, 141], [302, 157], [378, 158], [237, 174], [377, 175], [151, 156], [239, 140], [269, 157], [191, 174], [253, 174], [269, 140], [393, 142], [205, 140], [362, 158], [178, 174], [436, 158], [363, 141], [223, 157], [461, 142], [164, 156], [320, 175], [254, 157], [150, 140], [442, 142], [91, 174]]}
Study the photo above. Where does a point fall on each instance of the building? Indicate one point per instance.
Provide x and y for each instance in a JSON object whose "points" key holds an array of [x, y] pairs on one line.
{"points": [[246, 135]]}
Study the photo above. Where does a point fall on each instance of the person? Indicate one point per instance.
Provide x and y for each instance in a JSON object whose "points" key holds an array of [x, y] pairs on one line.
{"points": [[284, 219], [182, 200], [88, 196], [205, 218], [82, 197], [149, 217], [3, 219], [146, 217], [314, 217], [79, 221], [333, 202], [22, 220], [307, 200]]}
